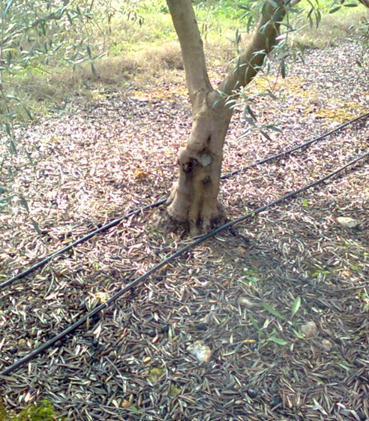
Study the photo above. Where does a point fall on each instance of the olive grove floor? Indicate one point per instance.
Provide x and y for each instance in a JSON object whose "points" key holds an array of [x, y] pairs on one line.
{"points": [[236, 294]]}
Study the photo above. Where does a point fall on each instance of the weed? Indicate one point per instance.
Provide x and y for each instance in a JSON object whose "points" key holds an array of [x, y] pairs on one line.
{"points": [[250, 278], [43, 411]]}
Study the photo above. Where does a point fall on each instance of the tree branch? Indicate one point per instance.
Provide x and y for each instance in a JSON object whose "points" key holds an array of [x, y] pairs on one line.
{"points": [[262, 42], [185, 24]]}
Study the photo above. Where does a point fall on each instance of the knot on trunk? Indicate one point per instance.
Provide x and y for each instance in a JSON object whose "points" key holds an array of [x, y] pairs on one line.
{"points": [[189, 161]]}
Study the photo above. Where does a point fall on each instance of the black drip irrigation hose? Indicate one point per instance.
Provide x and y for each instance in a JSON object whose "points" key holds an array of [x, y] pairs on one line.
{"points": [[160, 202], [81, 240], [296, 148], [141, 279]]}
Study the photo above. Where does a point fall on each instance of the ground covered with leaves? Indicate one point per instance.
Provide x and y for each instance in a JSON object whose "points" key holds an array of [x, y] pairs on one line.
{"points": [[278, 310]]}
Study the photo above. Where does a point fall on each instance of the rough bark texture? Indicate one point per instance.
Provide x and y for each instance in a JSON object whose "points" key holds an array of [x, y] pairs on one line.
{"points": [[194, 197]]}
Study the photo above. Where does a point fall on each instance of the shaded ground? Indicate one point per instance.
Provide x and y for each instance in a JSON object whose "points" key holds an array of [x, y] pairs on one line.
{"points": [[235, 294]]}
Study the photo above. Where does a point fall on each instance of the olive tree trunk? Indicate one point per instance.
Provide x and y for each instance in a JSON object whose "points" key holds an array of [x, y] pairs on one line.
{"points": [[194, 198]]}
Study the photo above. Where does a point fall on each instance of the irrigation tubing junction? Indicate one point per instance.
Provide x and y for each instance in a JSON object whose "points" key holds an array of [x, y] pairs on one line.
{"points": [[141, 279], [160, 202]]}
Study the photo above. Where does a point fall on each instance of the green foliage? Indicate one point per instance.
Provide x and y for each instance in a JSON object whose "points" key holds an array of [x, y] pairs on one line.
{"points": [[268, 333], [231, 9], [295, 306], [251, 278], [35, 35], [3, 413], [44, 411]]}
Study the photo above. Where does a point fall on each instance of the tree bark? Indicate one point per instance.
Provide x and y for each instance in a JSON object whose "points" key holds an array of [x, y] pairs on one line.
{"points": [[194, 198]]}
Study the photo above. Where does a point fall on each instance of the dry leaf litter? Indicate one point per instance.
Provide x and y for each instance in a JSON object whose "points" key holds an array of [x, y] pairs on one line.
{"points": [[280, 309]]}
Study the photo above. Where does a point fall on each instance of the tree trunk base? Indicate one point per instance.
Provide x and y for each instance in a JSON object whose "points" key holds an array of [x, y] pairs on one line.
{"points": [[194, 215], [193, 201]]}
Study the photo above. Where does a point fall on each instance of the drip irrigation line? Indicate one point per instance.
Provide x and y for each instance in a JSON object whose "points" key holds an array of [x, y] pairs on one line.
{"points": [[81, 240], [141, 279], [296, 148], [160, 202]]}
